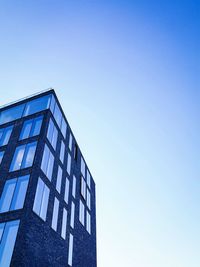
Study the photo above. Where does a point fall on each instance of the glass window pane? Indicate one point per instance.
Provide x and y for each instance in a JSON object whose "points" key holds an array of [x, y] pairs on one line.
{"points": [[17, 159], [25, 133], [20, 193], [62, 151], [5, 134], [57, 115], [88, 179], [52, 105], [44, 204], [69, 164], [50, 130], [70, 142], [82, 213], [72, 215], [66, 196], [64, 224], [74, 187], [7, 195], [8, 243], [59, 179], [1, 156], [11, 114], [70, 253], [64, 127], [36, 126], [55, 214], [83, 188], [50, 166], [38, 196], [83, 167], [54, 138], [88, 199], [2, 225], [37, 105], [88, 222], [29, 155], [45, 159]]}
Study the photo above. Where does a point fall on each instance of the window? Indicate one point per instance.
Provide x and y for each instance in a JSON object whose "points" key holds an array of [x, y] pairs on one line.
{"points": [[11, 114], [83, 188], [62, 151], [64, 127], [64, 224], [14, 194], [41, 199], [66, 196], [69, 164], [70, 253], [57, 115], [70, 142], [1, 156], [74, 187], [82, 213], [76, 152], [7, 241], [88, 179], [37, 105], [88, 222], [52, 134], [5, 135], [72, 215], [31, 128], [59, 179], [23, 157], [83, 167], [88, 199], [47, 162], [55, 214]]}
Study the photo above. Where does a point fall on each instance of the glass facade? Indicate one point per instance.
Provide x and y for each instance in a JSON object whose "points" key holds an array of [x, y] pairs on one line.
{"points": [[47, 162], [52, 134]]}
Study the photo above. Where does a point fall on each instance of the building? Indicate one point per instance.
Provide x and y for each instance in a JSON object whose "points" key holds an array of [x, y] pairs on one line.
{"points": [[47, 193]]}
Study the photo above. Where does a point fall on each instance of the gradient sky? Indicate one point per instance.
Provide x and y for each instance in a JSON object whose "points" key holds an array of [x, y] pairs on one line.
{"points": [[126, 74]]}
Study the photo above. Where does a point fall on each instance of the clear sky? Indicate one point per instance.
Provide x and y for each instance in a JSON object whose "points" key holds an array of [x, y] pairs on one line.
{"points": [[126, 73]]}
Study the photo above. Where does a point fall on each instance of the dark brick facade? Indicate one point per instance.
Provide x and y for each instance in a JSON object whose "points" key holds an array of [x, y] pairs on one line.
{"points": [[37, 244]]}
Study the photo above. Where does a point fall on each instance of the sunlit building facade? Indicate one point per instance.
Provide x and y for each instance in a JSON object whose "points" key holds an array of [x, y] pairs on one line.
{"points": [[47, 193]]}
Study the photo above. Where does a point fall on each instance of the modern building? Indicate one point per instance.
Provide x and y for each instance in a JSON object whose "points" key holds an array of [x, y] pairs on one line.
{"points": [[47, 193]]}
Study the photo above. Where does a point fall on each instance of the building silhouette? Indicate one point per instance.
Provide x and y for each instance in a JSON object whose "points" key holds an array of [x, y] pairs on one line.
{"points": [[47, 193]]}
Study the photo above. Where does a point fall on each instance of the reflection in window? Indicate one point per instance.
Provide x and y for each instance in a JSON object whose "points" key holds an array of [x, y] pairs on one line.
{"points": [[1, 156], [41, 199], [11, 114], [59, 179], [88, 179], [23, 157], [8, 234], [83, 188], [66, 196], [64, 224], [52, 134], [31, 128], [14, 194], [47, 162], [70, 142], [5, 135], [55, 214], [70, 253], [88, 199], [69, 164], [83, 167], [72, 215], [74, 187], [63, 127], [62, 151], [82, 213], [88, 222], [37, 105]]}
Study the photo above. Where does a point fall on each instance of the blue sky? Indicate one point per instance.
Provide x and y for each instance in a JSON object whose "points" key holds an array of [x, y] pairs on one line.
{"points": [[126, 74]]}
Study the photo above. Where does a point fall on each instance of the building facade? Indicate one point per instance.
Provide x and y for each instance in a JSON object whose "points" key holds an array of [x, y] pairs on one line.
{"points": [[47, 193]]}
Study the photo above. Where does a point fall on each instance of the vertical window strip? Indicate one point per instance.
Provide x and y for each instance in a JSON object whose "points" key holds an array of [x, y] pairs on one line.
{"points": [[62, 152], [55, 214], [83, 167], [70, 142], [1, 155], [70, 252], [59, 179], [88, 179], [74, 187], [66, 196], [88, 222], [72, 215], [82, 213], [69, 164], [88, 199], [64, 224], [83, 188]]}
